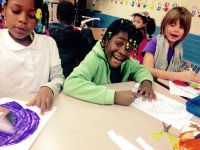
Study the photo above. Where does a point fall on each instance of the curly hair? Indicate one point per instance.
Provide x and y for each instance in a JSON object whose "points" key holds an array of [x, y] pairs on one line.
{"points": [[123, 25]]}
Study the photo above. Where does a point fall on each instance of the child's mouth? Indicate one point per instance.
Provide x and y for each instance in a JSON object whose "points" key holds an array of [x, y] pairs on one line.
{"points": [[174, 35], [119, 58], [21, 30]]}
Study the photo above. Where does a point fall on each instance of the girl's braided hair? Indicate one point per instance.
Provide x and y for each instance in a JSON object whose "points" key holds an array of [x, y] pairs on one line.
{"points": [[123, 25]]}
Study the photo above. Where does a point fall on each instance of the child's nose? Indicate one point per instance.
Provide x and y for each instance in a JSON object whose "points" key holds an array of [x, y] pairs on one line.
{"points": [[23, 18], [122, 50], [177, 28]]}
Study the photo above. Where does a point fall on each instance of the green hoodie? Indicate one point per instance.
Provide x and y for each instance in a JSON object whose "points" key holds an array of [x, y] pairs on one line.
{"points": [[87, 80]]}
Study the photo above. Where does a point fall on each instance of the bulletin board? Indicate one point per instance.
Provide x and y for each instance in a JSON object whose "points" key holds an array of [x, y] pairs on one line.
{"points": [[156, 8]]}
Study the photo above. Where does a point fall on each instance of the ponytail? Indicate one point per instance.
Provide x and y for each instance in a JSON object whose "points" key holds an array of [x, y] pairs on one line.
{"points": [[43, 22], [45, 18], [150, 27]]}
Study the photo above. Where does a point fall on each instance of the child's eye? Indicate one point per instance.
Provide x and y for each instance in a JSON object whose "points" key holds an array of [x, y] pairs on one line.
{"points": [[181, 27], [32, 16], [15, 11], [119, 44]]}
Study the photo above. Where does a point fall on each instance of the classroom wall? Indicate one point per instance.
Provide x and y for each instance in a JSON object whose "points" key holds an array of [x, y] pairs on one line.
{"points": [[109, 10], [156, 8]]}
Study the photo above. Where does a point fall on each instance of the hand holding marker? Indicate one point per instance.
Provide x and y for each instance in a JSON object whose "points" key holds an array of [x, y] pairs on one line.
{"points": [[189, 68]]}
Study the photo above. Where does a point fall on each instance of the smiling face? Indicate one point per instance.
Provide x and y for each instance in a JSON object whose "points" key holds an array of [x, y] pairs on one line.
{"points": [[174, 32], [20, 17], [115, 49]]}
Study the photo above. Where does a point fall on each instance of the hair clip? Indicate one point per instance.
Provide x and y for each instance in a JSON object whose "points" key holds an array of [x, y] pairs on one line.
{"points": [[38, 13], [127, 46], [109, 34], [31, 36], [134, 43], [122, 21]]}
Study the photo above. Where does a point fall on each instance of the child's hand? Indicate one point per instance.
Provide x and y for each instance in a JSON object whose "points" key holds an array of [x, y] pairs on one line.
{"points": [[44, 99], [125, 97], [146, 90], [188, 76]]}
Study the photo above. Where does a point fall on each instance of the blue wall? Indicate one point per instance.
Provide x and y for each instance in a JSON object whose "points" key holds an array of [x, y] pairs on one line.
{"points": [[191, 44]]}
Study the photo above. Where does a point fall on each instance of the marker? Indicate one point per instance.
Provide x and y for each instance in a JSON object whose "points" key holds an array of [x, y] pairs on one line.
{"points": [[188, 65]]}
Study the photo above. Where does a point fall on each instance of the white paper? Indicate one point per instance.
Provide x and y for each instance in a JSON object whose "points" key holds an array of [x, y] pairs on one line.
{"points": [[26, 144], [142, 143], [165, 109], [123, 143], [182, 91]]}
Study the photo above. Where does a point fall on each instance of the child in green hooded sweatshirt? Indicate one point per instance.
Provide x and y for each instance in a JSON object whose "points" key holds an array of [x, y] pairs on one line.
{"points": [[110, 62]]}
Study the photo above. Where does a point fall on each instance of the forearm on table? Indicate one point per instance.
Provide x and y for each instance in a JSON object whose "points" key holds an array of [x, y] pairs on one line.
{"points": [[168, 75]]}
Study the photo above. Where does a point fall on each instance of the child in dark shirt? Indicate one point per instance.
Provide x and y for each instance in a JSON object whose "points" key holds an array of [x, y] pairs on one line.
{"points": [[72, 43]]}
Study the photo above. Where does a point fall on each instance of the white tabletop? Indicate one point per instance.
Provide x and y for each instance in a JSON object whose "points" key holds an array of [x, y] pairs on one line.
{"points": [[79, 125]]}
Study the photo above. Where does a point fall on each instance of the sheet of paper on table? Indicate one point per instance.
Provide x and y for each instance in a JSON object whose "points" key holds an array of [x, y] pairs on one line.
{"points": [[182, 91], [26, 144], [165, 109]]}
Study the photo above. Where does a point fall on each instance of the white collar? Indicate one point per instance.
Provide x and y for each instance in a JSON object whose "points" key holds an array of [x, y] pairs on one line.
{"points": [[14, 46]]}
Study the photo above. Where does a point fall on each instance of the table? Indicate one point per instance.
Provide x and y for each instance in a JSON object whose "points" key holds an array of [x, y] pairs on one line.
{"points": [[98, 33], [163, 82], [79, 125]]}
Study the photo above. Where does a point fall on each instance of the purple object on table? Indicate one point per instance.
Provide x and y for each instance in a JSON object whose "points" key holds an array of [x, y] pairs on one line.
{"points": [[25, 123]]}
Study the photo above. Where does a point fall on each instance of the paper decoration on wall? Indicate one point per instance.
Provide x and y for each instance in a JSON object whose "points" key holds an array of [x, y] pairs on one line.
{"points": [[152, 4], [158, 5], [174, 4], [133, 3], [166, 6], [126, 2], [193, 11], [145, 3], [139, 3], [186, 5]]}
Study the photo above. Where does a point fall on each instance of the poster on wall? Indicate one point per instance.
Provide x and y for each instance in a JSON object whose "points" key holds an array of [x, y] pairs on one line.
{"points": [[156, 5]]}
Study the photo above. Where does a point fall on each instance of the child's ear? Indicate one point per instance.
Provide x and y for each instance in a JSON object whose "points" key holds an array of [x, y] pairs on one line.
{"points": [[144, 25], [104, 42], [3, 11]]}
